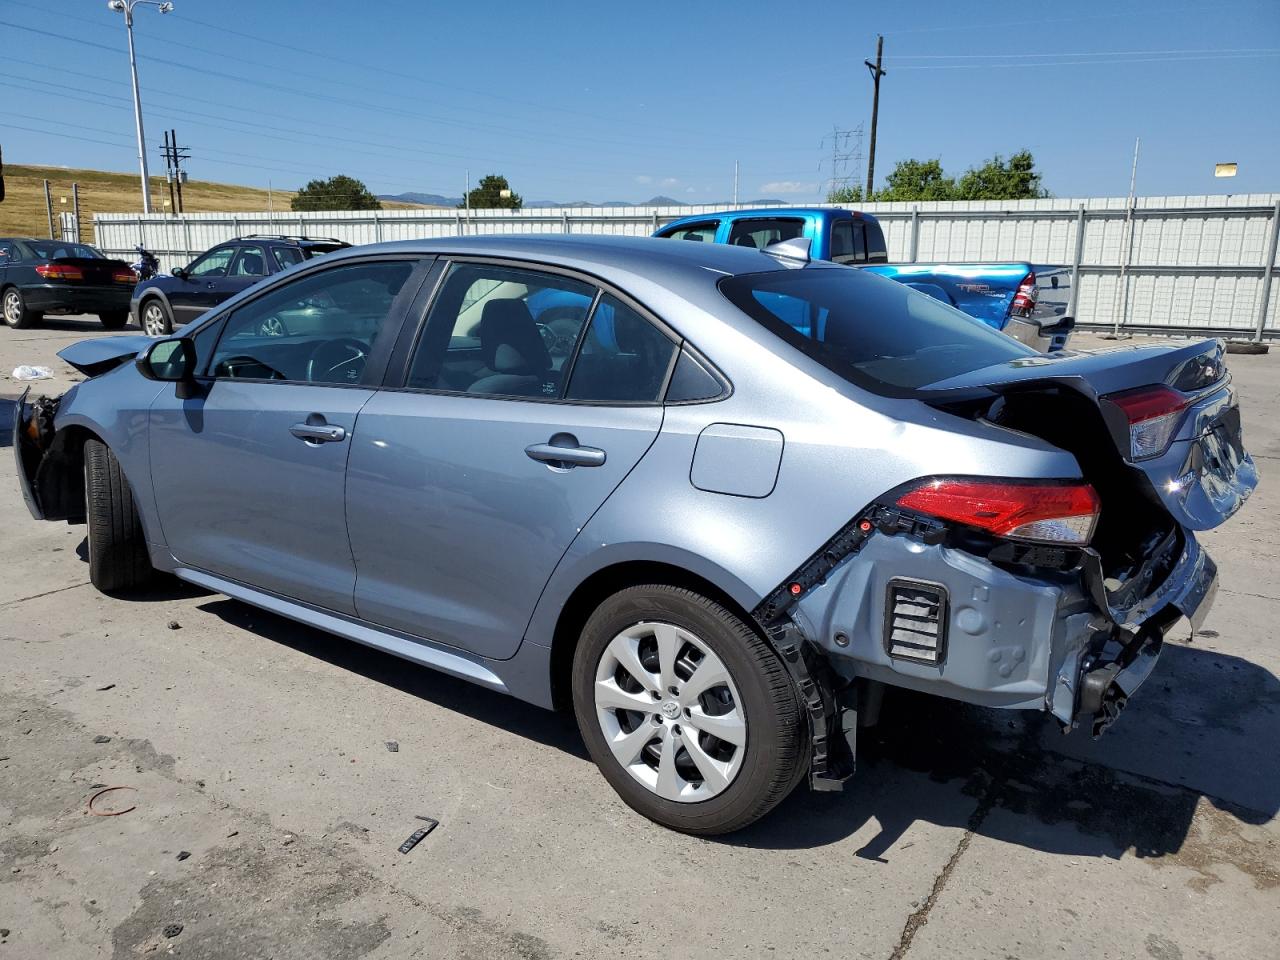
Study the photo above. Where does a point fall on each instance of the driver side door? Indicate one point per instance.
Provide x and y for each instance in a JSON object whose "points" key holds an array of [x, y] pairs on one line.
{"points": [[250, 476], [193, 294]]}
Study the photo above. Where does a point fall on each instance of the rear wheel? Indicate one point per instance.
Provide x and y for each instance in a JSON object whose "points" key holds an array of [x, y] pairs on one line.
{"points": [[114, 319], [156, 319], [15, 310], [688, 712], [118, 557]]}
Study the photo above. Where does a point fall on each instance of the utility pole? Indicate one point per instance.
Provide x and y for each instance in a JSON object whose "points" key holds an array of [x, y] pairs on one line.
{"points": [[179, 154], [48, 208], [75, 205], [735, 183], [167, 151], [876, 73], [1122, 285], [126, 7]]}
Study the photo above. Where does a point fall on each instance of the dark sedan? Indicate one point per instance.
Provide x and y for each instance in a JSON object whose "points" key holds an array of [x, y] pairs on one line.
{"points": [[39, 277]]}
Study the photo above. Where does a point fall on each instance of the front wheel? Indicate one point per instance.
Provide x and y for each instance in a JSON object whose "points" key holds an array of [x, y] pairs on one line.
{"points": [[118, 558], [15, 311], [686, 710], [156, 319], [114, 319]]}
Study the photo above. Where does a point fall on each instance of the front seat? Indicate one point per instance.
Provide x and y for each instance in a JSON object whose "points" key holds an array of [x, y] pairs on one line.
{"points": [[745, 240], [513, 350]]}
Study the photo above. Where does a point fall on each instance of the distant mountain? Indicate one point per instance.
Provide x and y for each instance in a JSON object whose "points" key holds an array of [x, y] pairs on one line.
{"points": [[439, 200], [428, 199]]}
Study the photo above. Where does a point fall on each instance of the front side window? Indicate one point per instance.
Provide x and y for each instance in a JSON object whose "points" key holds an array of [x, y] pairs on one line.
{"points": [[624, 358], [763, 232], [252, 262], [316, 329], [875, 332], [501, 331], [848, 242], [212, 264], [698, 232]]}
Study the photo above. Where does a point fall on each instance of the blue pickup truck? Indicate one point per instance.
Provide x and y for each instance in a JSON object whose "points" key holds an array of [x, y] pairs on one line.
{"points": [[1026, 301]]}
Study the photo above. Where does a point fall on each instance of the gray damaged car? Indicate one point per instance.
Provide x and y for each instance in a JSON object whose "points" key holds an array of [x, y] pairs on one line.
{"points": [[711, 499]]}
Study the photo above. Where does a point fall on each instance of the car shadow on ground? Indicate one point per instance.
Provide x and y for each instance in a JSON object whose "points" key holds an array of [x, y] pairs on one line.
{"points": [[84, 326], [938, 761]]}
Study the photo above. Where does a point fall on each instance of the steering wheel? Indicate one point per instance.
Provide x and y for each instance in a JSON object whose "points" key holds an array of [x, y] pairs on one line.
{"points": [[337, 361]]}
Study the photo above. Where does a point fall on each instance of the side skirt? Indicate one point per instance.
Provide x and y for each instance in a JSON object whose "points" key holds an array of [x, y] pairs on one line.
{"points": [[525, 675]]}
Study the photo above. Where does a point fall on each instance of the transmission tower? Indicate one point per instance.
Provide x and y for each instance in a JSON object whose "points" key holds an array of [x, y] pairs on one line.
{"points": [[845, 162]]}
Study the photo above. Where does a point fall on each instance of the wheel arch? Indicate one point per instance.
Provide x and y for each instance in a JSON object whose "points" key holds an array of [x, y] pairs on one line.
{"points": [[59, 481], [605, 582]]}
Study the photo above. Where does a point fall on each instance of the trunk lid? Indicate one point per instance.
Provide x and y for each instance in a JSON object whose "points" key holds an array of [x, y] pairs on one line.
{"points": [[96, 271], [1204, 474]]}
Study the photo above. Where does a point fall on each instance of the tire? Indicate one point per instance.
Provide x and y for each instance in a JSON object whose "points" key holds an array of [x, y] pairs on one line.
{"points": [[154, 318], [746, 781], [115, 320], [15, 312], [118, 559]]}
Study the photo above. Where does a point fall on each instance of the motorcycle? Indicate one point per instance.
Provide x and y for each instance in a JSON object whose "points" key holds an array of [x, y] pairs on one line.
{"points": [[147, 265]]}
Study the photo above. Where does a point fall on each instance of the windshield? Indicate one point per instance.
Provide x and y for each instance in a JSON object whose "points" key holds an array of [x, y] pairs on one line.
{"points": [[58, 250], [877, 333]]}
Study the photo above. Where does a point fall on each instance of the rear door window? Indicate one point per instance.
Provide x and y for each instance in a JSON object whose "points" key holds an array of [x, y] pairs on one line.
{"points": [[704, 232], [763, 232], [624, 358], [286, 257], [876, 333], [501, 331], [848, 242], [251, 262]]}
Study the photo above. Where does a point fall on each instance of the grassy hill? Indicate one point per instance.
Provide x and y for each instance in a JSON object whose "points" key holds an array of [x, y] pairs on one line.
{"points": [[23, 211]]}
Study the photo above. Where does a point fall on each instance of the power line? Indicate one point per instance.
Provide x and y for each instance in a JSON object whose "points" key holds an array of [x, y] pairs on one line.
{"points": [[1086, 63], [1063, 53]]}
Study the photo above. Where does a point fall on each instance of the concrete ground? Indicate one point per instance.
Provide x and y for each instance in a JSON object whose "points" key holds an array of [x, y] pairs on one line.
{"points": [[258, 747]]}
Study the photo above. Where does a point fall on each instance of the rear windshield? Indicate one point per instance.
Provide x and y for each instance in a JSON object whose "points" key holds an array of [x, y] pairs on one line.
{"points": [[877, 333], [57, 250]]}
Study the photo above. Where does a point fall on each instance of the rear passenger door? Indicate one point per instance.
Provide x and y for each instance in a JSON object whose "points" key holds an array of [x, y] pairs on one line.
{"points": [[473, 472]]}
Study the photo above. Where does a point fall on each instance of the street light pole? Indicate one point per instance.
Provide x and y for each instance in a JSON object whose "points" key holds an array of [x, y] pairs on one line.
{"points": [[126, 7]]}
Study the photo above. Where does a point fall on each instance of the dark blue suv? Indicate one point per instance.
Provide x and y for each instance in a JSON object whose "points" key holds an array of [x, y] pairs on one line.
{"points": [[165, 302]]}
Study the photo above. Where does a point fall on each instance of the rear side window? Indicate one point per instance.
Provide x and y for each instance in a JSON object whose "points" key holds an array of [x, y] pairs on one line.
{"points": [[624, 358], [251, 262], [763, 232], [286, 257], [698, 232], [876, 333], [848, 242]]}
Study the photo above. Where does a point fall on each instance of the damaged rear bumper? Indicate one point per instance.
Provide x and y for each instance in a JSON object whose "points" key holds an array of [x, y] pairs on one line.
{"points": [[939, 619]]}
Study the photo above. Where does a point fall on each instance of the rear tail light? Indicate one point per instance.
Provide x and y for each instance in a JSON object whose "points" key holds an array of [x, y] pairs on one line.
{"points": [[1154, 414], [1024, 299], [123, 275], [1062, 513], [59, 271]]}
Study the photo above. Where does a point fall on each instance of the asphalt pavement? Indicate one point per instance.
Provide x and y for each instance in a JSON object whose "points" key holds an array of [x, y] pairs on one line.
{"points": [[263, 809]]}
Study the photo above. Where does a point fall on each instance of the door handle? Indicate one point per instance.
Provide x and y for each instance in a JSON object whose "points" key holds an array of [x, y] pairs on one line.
{"points": [[318, 432], [566, 453]]}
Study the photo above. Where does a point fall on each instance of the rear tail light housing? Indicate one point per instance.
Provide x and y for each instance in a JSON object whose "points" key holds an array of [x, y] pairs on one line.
{"points": [[1057, 512], [59, 271], [1154, 414], [123, 275], [1025, 297]]}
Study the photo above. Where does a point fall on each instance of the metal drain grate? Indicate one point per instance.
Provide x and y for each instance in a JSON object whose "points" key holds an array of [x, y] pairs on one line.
{"points": [[915, 622]]}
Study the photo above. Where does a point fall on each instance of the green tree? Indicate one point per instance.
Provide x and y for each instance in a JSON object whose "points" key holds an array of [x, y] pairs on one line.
{"points": [[918, 180], [998, 179], [845, 194], [336, 193], [490, 194]]}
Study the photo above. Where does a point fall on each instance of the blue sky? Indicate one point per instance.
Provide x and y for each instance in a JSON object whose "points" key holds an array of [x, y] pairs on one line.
{"points": [[604, 101]]}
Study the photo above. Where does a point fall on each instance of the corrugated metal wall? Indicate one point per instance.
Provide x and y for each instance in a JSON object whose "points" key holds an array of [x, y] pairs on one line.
{"points": [[1176, 263]]}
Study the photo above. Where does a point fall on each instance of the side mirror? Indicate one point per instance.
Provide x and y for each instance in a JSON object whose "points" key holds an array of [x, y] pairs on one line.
{"points": [[172, 361], [180, 272]]}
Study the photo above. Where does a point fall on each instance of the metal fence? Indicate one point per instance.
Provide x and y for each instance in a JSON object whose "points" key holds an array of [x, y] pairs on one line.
{"points": [[1200, 264]]}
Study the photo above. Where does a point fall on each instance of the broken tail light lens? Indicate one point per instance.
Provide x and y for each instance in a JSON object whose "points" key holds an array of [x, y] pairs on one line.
{"points": [[59, 271], [1024, 300], [1052, 512], [1154, 414]]}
